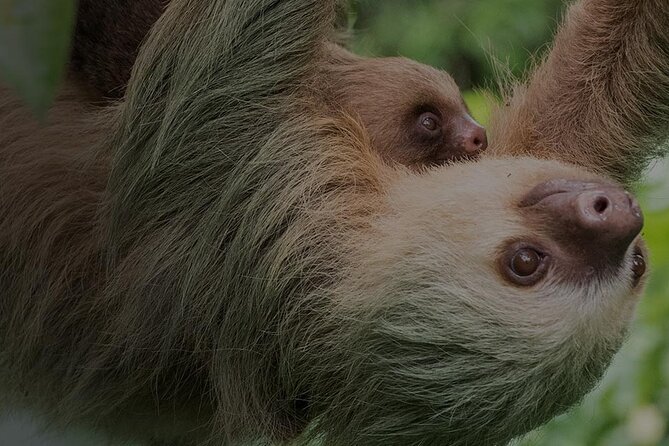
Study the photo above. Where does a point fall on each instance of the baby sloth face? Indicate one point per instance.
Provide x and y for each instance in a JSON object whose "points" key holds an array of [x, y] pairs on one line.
{"points": [[414, 114], [499, 292]]}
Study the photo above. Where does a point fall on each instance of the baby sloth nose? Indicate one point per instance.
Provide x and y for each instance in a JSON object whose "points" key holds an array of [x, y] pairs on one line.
{"points": [[473, 136], [598, 218]]}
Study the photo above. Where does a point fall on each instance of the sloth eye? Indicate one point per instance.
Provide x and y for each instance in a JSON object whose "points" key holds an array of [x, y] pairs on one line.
{"points": [[523, 265], [525, 262], [429, 121], [638, 266]]}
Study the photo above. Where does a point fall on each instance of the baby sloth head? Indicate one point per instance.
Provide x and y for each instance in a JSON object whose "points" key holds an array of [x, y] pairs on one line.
{"points": [[414, 114], [496, 299]]}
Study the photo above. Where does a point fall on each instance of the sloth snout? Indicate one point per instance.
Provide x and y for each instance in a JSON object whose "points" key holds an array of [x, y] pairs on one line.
{"points": [[610, 212], [605, 215], [473, 136], [599, 219]]}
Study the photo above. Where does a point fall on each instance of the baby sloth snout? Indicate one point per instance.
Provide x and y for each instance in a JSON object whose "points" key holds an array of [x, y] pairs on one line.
{"points": [[472, 136], [599, 220]]}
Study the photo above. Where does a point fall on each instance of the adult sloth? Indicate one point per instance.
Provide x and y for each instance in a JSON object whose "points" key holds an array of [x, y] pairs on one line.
{"points": [[222, 258]]}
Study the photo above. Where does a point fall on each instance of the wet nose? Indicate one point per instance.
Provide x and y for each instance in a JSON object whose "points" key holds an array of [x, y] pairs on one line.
{"points": [[603, 217], [472, 136]]}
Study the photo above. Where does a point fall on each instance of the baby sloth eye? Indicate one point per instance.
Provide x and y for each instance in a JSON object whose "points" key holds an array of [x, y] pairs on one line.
{"points": [[429, 121]]}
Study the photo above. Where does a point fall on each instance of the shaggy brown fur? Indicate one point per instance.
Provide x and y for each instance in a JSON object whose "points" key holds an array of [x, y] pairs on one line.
{"points": [[391, 96], [221, 256], [107, 38], [601, 97]]}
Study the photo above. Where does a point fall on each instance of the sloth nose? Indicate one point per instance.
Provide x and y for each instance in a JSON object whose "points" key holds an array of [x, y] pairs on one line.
{"points": [[473, 136], [608, 214], [600, 216]]}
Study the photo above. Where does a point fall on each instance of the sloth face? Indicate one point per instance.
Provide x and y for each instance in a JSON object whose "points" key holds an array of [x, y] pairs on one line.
{"points": [[499, 293], [536, 234]]}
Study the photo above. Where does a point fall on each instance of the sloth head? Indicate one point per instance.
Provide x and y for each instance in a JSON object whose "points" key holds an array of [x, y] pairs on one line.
{"points": [[495, 300]]}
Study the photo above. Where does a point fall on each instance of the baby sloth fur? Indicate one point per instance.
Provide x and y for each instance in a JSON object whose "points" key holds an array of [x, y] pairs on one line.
{"points": [[222, 257]]}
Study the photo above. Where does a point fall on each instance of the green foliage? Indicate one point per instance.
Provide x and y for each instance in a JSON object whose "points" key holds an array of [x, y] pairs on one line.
{"points": [[464, 37], [478, 106], [34, 42]]}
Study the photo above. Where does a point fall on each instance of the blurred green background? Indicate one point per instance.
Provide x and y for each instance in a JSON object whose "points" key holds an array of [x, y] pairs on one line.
{"points": [[477, 41], [472, 39]]}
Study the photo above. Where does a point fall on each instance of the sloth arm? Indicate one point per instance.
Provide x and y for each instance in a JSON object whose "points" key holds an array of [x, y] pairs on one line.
{"points": [[600, 99]]}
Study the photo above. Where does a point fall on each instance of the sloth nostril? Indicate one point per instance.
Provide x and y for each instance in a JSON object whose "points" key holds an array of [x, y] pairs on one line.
{"points": [[601, 204]]}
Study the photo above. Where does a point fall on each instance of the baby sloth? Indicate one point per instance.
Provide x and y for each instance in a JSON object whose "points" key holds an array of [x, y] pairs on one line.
{"points": [[414, 114]]}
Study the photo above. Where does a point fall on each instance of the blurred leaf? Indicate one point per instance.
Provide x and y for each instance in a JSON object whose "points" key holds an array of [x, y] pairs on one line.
{"points": [[461, 36], [479, 106], [34, 43]]}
